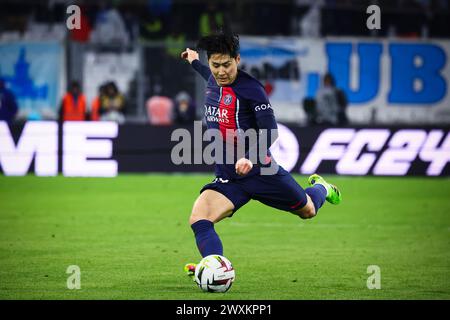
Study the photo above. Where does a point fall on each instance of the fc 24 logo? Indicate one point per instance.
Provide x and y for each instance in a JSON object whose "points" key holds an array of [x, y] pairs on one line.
{"points": [[358, 151]]}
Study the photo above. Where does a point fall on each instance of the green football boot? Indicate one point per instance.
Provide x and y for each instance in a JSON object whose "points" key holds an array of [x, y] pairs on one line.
{"points": [[334, 196], [190, 270]]}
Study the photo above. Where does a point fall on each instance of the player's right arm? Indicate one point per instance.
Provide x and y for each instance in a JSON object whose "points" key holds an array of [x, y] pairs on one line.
{"points": [[192, 57]]}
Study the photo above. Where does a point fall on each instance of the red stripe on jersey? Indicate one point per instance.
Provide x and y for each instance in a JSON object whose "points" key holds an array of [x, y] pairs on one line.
{"points": [[296, 205], [227, 109]]}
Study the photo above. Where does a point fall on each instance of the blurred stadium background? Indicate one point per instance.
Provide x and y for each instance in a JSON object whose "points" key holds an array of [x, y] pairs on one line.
{"points": [[129, 240]]}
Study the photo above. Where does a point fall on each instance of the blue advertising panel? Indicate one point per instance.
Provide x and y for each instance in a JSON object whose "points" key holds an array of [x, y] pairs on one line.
{"points": [[32, 72]]}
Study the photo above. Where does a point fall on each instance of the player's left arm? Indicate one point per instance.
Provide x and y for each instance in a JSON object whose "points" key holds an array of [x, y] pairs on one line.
{"points": [[267, 125], [267, 128]]}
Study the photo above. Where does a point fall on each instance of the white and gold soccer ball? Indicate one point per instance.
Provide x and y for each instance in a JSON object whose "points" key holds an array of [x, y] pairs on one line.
{"points": [[214, 273]]}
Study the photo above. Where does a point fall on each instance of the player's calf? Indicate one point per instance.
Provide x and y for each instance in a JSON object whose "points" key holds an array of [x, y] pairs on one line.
{"points": [[209, 208]]}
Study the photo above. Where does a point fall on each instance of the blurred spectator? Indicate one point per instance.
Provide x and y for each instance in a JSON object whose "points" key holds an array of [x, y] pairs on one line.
{"points": [[175, 42], [310, 108], [211, 20], [310, 24], [159, 110], [343, 103], [8, 105], [152, 28], [331, 103], [73, 105], [184, 108], [156, 19], [112, 107], [109, 27], [96, 104], [131, 20]]}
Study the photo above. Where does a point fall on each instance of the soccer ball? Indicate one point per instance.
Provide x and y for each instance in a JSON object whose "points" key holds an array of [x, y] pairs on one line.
{"points": [[214, 273]]}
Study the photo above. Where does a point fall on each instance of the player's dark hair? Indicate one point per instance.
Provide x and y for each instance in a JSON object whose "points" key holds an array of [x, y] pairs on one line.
{"points": [[222, 42]]}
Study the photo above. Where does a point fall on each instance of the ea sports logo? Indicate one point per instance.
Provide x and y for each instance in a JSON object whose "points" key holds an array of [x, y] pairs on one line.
{"points": [[228, 99]]}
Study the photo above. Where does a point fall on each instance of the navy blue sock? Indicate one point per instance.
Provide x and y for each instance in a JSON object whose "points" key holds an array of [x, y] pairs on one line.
{"points": [[318, 193], [208, 242]]}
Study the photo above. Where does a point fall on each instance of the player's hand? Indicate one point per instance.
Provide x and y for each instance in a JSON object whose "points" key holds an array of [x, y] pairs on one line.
{"points": [[243, 166], [189, 55]]}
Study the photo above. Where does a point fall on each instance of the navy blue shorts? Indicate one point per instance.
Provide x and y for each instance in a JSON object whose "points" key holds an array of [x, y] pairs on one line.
{"points": [[279, 191]]}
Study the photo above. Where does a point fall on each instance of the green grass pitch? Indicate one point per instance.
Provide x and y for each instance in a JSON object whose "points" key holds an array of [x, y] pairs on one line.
{"points": [[130, 238]]}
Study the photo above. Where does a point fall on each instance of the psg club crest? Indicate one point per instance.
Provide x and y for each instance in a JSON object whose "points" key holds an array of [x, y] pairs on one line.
{"points": [[228, 99]]}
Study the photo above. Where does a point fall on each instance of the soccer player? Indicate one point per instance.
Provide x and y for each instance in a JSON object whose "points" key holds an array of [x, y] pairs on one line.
{"points": [[236, 101]]}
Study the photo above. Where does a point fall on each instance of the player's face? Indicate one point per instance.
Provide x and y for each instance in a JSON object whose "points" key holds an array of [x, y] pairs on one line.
{"points": [[224, 68]]}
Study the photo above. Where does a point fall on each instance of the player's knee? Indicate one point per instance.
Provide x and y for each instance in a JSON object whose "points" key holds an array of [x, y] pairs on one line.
{"points": [[307, 212], [200, 210], [196, 217], [211, 206]]}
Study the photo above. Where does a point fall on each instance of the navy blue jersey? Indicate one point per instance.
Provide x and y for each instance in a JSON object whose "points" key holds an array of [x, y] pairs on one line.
{"points": [[242, 105]]}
